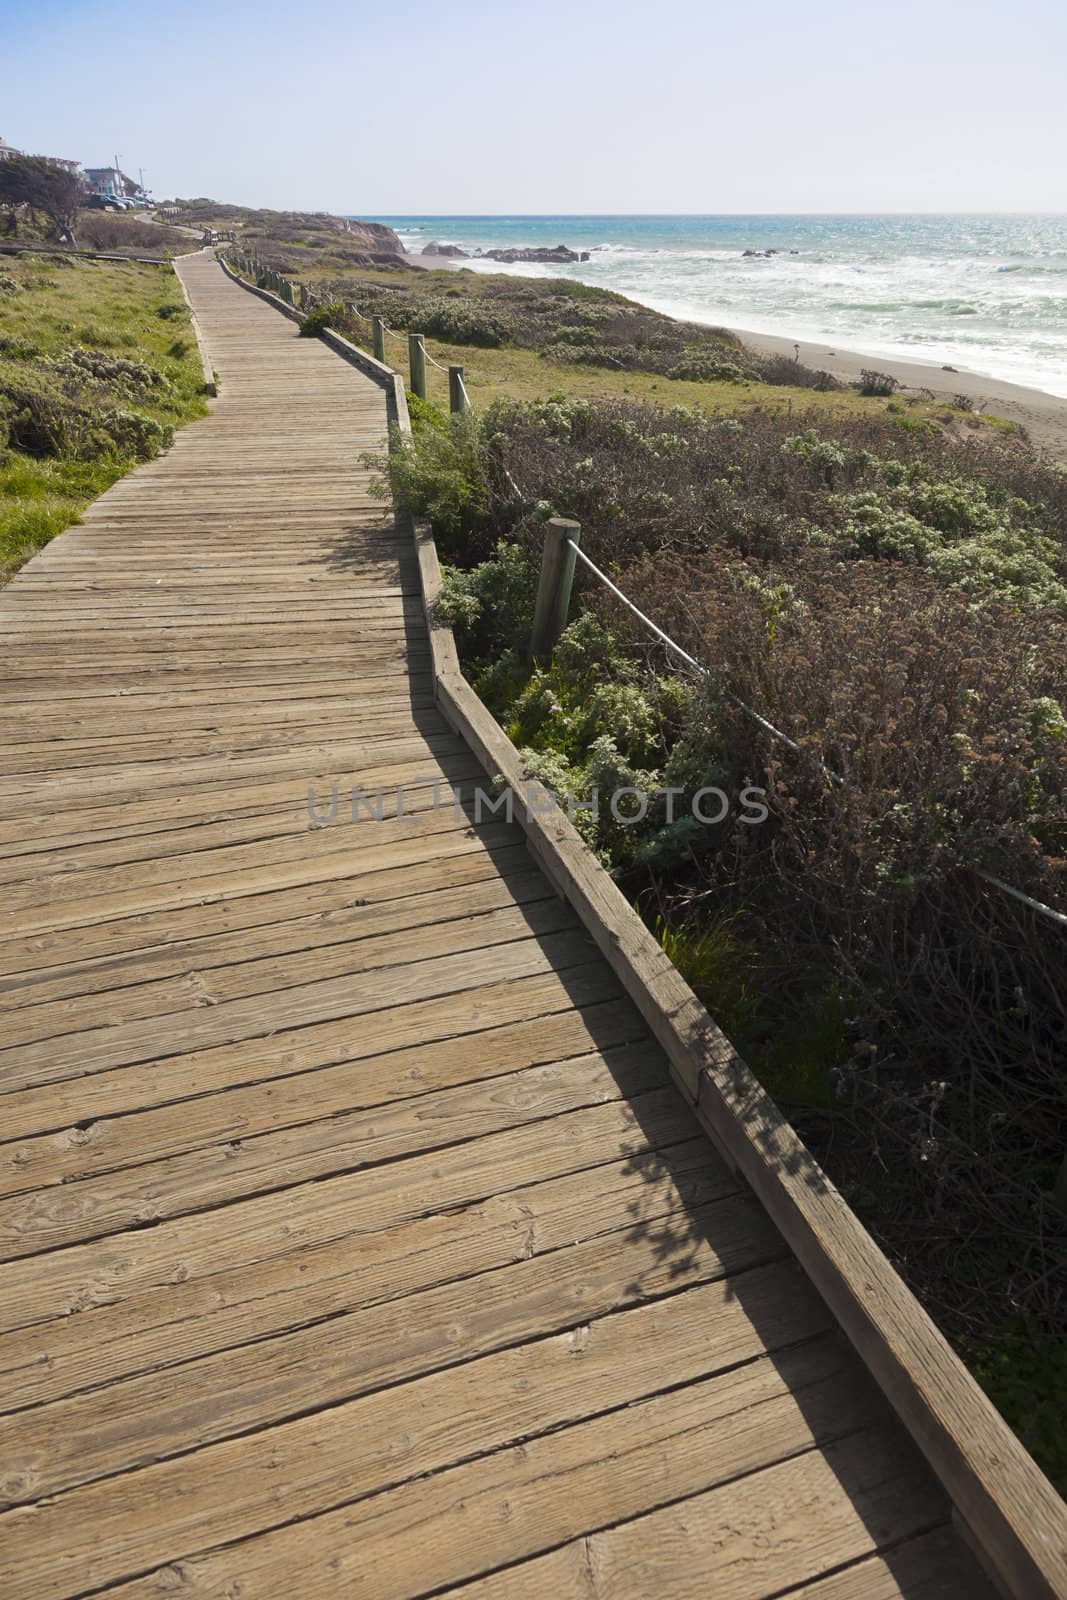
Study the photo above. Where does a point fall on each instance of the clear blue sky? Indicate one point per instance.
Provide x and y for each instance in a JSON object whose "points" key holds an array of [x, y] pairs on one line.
{"points": [[562, 105]]}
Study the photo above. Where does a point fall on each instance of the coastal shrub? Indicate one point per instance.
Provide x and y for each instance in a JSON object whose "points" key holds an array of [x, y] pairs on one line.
{"points": [[135, 435], [576, 334], [18, 349], [872, 382], [439, 472], [591, 355], [40, 419], [322, 317], [889, 599], [825, 457], [46, 414], [79, 368], [708, 363], [781, 370], [490, 605], [463, 324], [991, 545]]}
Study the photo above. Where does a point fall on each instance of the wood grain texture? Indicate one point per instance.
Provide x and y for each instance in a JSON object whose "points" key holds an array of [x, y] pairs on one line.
{"points": [[357, 1238], [1013, 1514]]}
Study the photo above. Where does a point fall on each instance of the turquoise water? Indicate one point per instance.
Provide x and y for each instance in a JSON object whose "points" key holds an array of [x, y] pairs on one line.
{"points": [[985, 293]]}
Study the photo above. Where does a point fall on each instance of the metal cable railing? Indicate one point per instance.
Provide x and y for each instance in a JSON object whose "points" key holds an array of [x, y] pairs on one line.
{"points": [[683, 655], [302, 296], [456, 376], [1035, 905]]}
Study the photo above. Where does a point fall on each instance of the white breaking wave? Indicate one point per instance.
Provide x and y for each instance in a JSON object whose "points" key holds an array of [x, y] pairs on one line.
{"points": [[984, 293]]}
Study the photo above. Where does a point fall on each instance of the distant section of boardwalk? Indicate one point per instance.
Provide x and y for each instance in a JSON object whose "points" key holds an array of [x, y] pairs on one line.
{"points": [[355, 1243]]}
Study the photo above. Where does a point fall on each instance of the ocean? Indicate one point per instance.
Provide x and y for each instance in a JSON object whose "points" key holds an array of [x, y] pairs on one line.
{"points": [[984, 293]]}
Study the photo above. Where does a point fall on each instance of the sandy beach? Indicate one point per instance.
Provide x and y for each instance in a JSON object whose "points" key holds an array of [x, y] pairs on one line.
{"points": [[1044, 416]]}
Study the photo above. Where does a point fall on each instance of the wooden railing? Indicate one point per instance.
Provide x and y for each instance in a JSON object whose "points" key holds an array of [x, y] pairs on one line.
{"points": [[1007, 1510], [303, 298]]}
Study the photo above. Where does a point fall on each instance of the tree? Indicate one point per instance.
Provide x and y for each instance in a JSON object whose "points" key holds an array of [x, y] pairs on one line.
{"points": [[40, 185]]}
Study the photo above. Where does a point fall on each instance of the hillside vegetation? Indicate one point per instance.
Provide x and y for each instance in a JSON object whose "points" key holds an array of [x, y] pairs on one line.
{"points": [[126, 235], [293, 241], [98, 366], [881, 576], [893, 598], [528, 338]]}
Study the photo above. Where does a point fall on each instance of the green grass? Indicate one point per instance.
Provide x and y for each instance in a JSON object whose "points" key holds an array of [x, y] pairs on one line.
{"points": [[529, 374], [132, 310], [743, 987]]}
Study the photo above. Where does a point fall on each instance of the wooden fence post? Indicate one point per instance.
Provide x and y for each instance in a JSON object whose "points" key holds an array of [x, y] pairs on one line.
{"points": [[417, 363], [457, 394], [554, 587], [378, 324]]}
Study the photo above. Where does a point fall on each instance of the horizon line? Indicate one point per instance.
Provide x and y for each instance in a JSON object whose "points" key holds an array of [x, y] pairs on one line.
{"points": [[697, 215]]}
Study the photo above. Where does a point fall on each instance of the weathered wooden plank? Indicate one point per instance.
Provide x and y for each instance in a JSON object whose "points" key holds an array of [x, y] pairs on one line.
{"points": [[382, 794], [28, 957], [212, 1174], [101, 1049], [137, 1419], [343, 922], [442, 1030], [209, 802], [252, 876], [403, 1204], [211, 985], [119, 1526], [735, 1543], [264, 1226]]}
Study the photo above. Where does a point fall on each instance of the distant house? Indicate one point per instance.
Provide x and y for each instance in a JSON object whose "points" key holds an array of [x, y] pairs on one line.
{"points": [[109, 180], [8, 150]]}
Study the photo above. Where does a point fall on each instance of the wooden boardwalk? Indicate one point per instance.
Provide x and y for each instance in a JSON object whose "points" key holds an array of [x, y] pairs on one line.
{"points": [[355, 1243]]}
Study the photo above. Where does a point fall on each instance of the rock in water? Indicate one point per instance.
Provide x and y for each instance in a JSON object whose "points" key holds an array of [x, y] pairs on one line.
{"points": [[452, 250], [557, 252]]}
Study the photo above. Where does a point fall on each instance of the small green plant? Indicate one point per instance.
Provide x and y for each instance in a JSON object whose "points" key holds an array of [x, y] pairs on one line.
{"points": [[490, 605], [463, 324], [439, 472], [321, 318], [882, 384]]}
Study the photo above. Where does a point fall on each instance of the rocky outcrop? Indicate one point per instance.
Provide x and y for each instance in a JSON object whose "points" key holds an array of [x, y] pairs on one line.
{"points": [[374, 237], [556, 253], [453, 251]]}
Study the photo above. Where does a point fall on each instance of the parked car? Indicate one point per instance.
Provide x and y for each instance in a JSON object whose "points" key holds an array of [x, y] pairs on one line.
{"points": [[103, 202]]}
